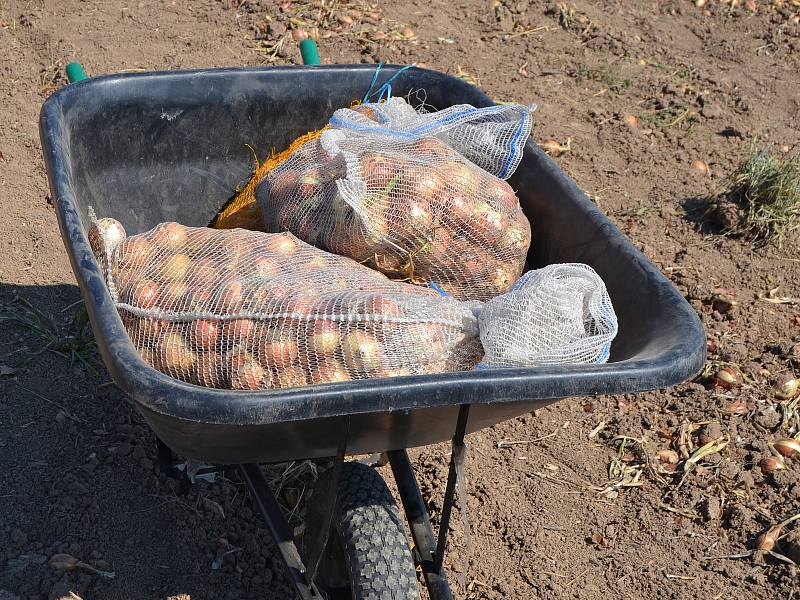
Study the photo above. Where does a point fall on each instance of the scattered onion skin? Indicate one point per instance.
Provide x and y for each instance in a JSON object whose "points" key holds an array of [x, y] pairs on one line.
{"points": [[787, 387], [726, 378], [701, 167], [771, 464], [788, 448]]}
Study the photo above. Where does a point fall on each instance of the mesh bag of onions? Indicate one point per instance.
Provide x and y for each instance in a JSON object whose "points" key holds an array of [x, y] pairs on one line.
{"points": [[247, 310], [419, 196]]}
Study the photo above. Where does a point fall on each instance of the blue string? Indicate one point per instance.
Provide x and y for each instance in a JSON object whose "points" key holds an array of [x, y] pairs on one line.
{"points": [[386, 86], [372, 83]]}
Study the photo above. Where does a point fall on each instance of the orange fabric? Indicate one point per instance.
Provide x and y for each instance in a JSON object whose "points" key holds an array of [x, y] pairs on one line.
{"points": [[242, 211]]}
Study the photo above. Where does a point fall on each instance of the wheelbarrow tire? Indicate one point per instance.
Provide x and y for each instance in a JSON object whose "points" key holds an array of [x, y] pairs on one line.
{"points": [[371, 535]]}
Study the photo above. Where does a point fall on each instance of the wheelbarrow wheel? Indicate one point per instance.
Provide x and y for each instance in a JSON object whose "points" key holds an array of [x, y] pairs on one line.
{"points": [[368, 556]]}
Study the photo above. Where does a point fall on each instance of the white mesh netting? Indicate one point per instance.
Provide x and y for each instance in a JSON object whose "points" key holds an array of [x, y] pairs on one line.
{"points": [[417, 196], [558, 314], [246, 310]]}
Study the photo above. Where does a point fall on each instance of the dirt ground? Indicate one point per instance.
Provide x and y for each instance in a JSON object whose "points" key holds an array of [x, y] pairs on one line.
{"points": [[570, 513]]}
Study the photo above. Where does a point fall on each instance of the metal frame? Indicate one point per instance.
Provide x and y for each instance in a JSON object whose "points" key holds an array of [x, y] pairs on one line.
{"points": [[429, 549]]}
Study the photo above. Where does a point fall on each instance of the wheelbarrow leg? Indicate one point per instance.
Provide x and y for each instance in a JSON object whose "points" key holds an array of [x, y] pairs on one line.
{"points": [[420, 523], [279, 529], [321, 508]]}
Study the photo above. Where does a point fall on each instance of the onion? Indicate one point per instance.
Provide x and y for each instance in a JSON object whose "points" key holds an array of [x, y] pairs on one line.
{"points": [[501, 195], [458, 207], [503, 276], [701, 167], [171, 236], [229, 297], [787, 387], [175, 267], [385, 306], [323, 337], [462, 176], [282, 185], [279, 352], [422, 184], [362, 352], [283, 245], [726, 378], [249, 375], [208, 370], [317, 263], [237, 330], [767, 540], [488, 223], [377, 170], [202, 273], [148, 331], [517, 237], [200, 300], [204, 334], [172, 295], [329, 372], [176, 357], [309, 184], [433, 147], [771, 464], [105, 235], [135, 252], [290, 377], [144, 294], [419, 216]]}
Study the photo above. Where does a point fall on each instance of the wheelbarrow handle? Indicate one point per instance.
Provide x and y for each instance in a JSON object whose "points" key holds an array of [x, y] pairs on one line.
{"points": [[308, 50]]}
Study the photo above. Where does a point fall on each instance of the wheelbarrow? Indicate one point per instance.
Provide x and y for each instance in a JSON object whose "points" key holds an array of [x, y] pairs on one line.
{"points": [[152, 147]]}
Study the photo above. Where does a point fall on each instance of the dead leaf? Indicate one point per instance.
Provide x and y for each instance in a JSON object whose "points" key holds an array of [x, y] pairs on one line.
{"points": [[6, 370]]}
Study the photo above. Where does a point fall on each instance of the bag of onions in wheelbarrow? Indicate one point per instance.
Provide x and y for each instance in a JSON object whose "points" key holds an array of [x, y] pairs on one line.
{"points": [[246, 310], [420, 197]]}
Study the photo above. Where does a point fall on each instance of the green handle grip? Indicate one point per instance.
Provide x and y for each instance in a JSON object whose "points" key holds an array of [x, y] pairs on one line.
{"points": [[75, 72], [308, 50]]}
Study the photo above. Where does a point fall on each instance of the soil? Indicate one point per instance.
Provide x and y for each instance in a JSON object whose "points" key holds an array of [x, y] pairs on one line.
{"points": [[570, 513]]}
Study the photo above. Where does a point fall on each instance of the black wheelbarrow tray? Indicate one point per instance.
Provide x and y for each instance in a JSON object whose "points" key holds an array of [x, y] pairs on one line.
{"points": [[152, 147]]}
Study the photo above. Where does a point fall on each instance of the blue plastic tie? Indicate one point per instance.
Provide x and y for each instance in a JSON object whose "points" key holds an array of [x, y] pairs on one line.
{"points": [[435, 287]]}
